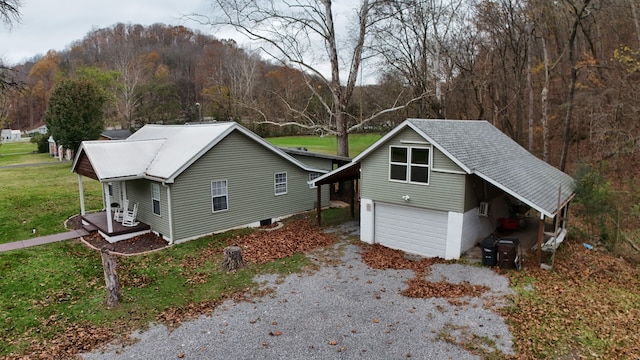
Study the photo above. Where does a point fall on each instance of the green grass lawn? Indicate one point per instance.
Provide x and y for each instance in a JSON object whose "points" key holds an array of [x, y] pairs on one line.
{"points": [[59, 288], [326, 144], [41, 197], [22, 153], [13, 148]]}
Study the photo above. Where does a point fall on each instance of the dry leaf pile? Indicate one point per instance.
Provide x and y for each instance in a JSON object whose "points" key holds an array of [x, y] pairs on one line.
{"points": [[74, 339], [297, 236], [380, 257], [587, 307]]}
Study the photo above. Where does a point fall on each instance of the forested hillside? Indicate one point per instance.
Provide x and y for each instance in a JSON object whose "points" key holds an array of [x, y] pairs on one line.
{"points": [[560, 77]]}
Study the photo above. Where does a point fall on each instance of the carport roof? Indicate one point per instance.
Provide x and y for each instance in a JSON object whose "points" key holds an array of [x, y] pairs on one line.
{"points": [[480, 148]]}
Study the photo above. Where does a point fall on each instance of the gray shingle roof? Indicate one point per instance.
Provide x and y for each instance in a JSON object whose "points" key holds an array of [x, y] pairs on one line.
{"points": [[480, 148]]}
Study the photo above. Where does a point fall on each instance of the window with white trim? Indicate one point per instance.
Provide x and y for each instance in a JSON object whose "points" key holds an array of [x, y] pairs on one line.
{"points": [[155, 198], [313, 176], [219, 195], [280, 183], [409, 164]]}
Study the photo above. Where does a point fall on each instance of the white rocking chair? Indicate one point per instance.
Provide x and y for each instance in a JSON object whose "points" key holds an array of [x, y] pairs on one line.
{"points": [[119, 213], [129, 216]]}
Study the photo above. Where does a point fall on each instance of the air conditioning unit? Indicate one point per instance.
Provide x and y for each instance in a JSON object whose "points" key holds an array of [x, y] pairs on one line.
{"points": [[483, 209]]}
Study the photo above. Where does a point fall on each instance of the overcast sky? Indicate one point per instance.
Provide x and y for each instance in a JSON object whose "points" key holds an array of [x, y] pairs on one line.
{"points": [[55, 24], [50, 24]]}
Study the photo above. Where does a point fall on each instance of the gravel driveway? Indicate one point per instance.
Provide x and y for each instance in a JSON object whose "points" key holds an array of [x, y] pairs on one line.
{"points": [[345, 310]]}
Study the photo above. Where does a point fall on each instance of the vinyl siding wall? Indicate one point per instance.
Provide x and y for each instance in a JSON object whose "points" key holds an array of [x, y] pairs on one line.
{"points": [[315, 162], [249, 169], [139, 191], [446, 189]]}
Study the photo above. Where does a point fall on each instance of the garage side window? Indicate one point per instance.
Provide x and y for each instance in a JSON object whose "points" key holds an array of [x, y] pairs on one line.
{"points": [[409, 164], [155, 198], [219, 195]]}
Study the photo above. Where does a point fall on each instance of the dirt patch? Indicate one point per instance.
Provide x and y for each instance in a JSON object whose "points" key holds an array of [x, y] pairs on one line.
{"points": [[136, 245]]}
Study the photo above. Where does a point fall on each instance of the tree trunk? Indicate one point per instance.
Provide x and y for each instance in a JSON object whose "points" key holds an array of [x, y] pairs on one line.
{"points": [[566, 132], [110, 278], [530, 86], [545, 105], [232, 258], [342, 136]]}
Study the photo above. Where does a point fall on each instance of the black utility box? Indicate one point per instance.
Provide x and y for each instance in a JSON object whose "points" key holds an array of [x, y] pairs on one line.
{"points": [[489, 254], [507, 249]]}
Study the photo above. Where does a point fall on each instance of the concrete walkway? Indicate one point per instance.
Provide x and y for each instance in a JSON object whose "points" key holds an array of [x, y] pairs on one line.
{"points": [[43, 240]]}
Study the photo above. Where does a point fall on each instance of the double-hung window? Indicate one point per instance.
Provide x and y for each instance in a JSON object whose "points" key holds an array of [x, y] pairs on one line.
{"points": [[280, 183], [409, 164], [219, 195], [155, 198]]}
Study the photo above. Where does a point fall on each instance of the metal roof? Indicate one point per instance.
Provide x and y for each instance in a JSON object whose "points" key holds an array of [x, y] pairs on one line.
{"points": [[162, 152]]}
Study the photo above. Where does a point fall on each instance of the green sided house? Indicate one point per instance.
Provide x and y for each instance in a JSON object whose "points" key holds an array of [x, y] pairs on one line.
{"points": [[438, 187], [186, 181]]}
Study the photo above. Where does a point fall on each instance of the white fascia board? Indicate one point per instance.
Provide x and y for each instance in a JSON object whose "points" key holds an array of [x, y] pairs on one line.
{"points": [[122, 178], [224, 134], [515, 195], [381, 141], [197, 156], [329, 173], [77, 157]]}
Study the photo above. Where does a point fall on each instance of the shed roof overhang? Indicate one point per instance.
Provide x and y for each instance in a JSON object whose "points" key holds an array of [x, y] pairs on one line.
{"points": [[347, 172]]}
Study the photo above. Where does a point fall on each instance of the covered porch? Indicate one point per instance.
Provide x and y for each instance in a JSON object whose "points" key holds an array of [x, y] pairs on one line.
{"points": [[100, 221]]}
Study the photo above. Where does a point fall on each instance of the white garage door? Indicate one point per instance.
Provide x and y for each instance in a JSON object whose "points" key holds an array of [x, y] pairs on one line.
{"points": [[413, 230]]}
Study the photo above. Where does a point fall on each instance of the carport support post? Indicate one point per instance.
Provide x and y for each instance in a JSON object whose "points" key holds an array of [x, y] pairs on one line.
{"points": [[319, 206], [540, 234], [352, 198]]}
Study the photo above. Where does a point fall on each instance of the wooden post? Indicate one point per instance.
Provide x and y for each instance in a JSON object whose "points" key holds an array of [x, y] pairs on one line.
{"points": [[232, 258], [352, 198], [540, 235], [319, 204], [110, 277]]}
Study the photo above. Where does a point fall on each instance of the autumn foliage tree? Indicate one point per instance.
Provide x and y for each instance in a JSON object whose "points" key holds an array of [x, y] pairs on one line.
{"points": [[75, 112]]}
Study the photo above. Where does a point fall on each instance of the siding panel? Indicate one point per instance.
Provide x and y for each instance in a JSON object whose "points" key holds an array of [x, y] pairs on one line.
{"points": [[139, 191], [444, 192], [249, 170]]}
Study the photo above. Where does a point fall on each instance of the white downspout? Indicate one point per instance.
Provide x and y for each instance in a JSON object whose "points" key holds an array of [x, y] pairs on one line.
{"points": [[170, 213]]}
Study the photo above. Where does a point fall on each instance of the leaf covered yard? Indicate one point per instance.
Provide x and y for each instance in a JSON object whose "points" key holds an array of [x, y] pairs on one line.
{"points": [[587, 307]]}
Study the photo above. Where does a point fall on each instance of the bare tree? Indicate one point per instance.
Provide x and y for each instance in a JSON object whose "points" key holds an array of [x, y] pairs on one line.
{"points": [[414, 40], [9, 11], [304, 34], [578, 11], [9, 14]]}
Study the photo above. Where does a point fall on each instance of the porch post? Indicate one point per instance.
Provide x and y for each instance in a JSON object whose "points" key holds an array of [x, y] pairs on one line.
{"points": [[540, 234], [81, 189], [319, 204], [105, 194]]}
